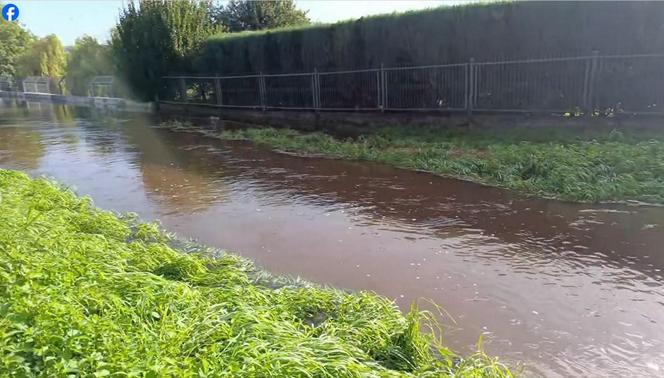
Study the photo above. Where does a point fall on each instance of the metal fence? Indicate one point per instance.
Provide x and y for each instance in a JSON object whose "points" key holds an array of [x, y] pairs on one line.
{"points": [[37, 84], [101, 86], [594, 83], [7, 83]]}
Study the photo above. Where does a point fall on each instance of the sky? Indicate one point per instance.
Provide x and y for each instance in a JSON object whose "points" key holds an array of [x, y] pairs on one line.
{"points": [[69, 19]]}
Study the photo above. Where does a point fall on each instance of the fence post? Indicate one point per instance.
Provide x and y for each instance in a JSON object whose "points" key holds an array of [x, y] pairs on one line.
{"points": [[382, 99], [589, 82], [318, 90], [470, 88], [261, 91], [217, 90], [315, 88], [379, 92]]}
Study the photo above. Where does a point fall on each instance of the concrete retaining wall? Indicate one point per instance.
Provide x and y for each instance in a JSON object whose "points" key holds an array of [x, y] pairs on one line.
{"points": [[354, 123]]}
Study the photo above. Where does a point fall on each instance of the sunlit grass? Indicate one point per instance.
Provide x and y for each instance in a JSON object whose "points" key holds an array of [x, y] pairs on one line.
{"points": [[591, 165], [84, 292]]}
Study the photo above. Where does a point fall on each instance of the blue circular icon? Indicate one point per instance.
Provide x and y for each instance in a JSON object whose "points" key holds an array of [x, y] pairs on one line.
{"points": [[10, 12]]}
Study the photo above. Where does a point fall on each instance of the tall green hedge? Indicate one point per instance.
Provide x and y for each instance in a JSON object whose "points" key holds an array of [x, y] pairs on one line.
{"points": [[447, 34]]}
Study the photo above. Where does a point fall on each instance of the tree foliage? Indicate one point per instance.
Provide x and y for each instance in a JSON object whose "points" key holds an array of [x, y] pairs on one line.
{"points": [[239, 15], [154, 37], [88, 58], [44, 57], [14, 40]]}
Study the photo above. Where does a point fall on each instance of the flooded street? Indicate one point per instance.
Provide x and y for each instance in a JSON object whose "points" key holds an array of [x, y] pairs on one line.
{"points": [[567, 289]]}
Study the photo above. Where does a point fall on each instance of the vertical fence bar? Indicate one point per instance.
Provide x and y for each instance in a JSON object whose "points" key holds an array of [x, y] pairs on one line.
{"points": [[217, 91], [379, 92], [470, 90], [466, 87], [380, 83], [383, 76], [315, 90], [591, 82], [475, 93], [261, 90], [318, 104], [586, 86], [386, 100]]}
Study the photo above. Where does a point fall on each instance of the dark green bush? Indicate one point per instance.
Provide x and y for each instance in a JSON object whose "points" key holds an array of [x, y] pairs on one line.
{"points": [[442, 35]]}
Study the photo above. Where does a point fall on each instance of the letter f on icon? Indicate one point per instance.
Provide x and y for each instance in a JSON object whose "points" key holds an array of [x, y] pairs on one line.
{"points": [[10, 13]]}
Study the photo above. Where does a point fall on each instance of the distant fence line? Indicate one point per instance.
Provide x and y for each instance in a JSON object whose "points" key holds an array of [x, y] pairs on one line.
{"points": [[7, 83], [97, 86], [595, 83]]}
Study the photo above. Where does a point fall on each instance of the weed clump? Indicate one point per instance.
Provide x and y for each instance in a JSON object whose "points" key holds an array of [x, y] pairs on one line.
{"points": [[84, 292]]}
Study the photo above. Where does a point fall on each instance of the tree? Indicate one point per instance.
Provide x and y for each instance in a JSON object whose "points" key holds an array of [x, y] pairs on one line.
{"points": [[155, 37], [239, 15], [14, 40], [88, 58], [43, 57]]}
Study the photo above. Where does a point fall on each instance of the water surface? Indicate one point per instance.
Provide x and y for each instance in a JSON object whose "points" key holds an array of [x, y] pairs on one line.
{"points": [[568, 289]]}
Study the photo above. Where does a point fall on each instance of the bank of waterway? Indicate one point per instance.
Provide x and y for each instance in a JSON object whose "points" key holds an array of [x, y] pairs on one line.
{"points": [[569, 289], [583, 165], [90, 293]]}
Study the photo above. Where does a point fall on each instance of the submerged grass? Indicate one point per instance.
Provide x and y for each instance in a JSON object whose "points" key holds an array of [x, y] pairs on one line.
{"points": [[591, 165], [84, 292]]}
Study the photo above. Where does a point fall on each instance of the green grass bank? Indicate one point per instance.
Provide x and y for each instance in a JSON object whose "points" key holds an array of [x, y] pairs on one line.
{"points": [[84, 292], [590, 165]]}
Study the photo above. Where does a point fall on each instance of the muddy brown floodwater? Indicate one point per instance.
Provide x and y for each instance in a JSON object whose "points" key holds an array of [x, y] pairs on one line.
{"points": [[567, 289]]}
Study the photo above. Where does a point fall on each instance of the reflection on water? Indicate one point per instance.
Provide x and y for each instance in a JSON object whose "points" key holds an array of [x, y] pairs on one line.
{"points": [[22, 147], [569, 289]]}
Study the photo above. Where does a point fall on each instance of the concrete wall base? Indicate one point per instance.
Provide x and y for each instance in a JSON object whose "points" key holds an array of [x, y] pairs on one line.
{"points": [[355, 123]]}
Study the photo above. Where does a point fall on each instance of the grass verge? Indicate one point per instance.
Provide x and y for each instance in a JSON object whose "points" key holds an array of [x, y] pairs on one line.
{"points": [[84, 292], [587, 166]]}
